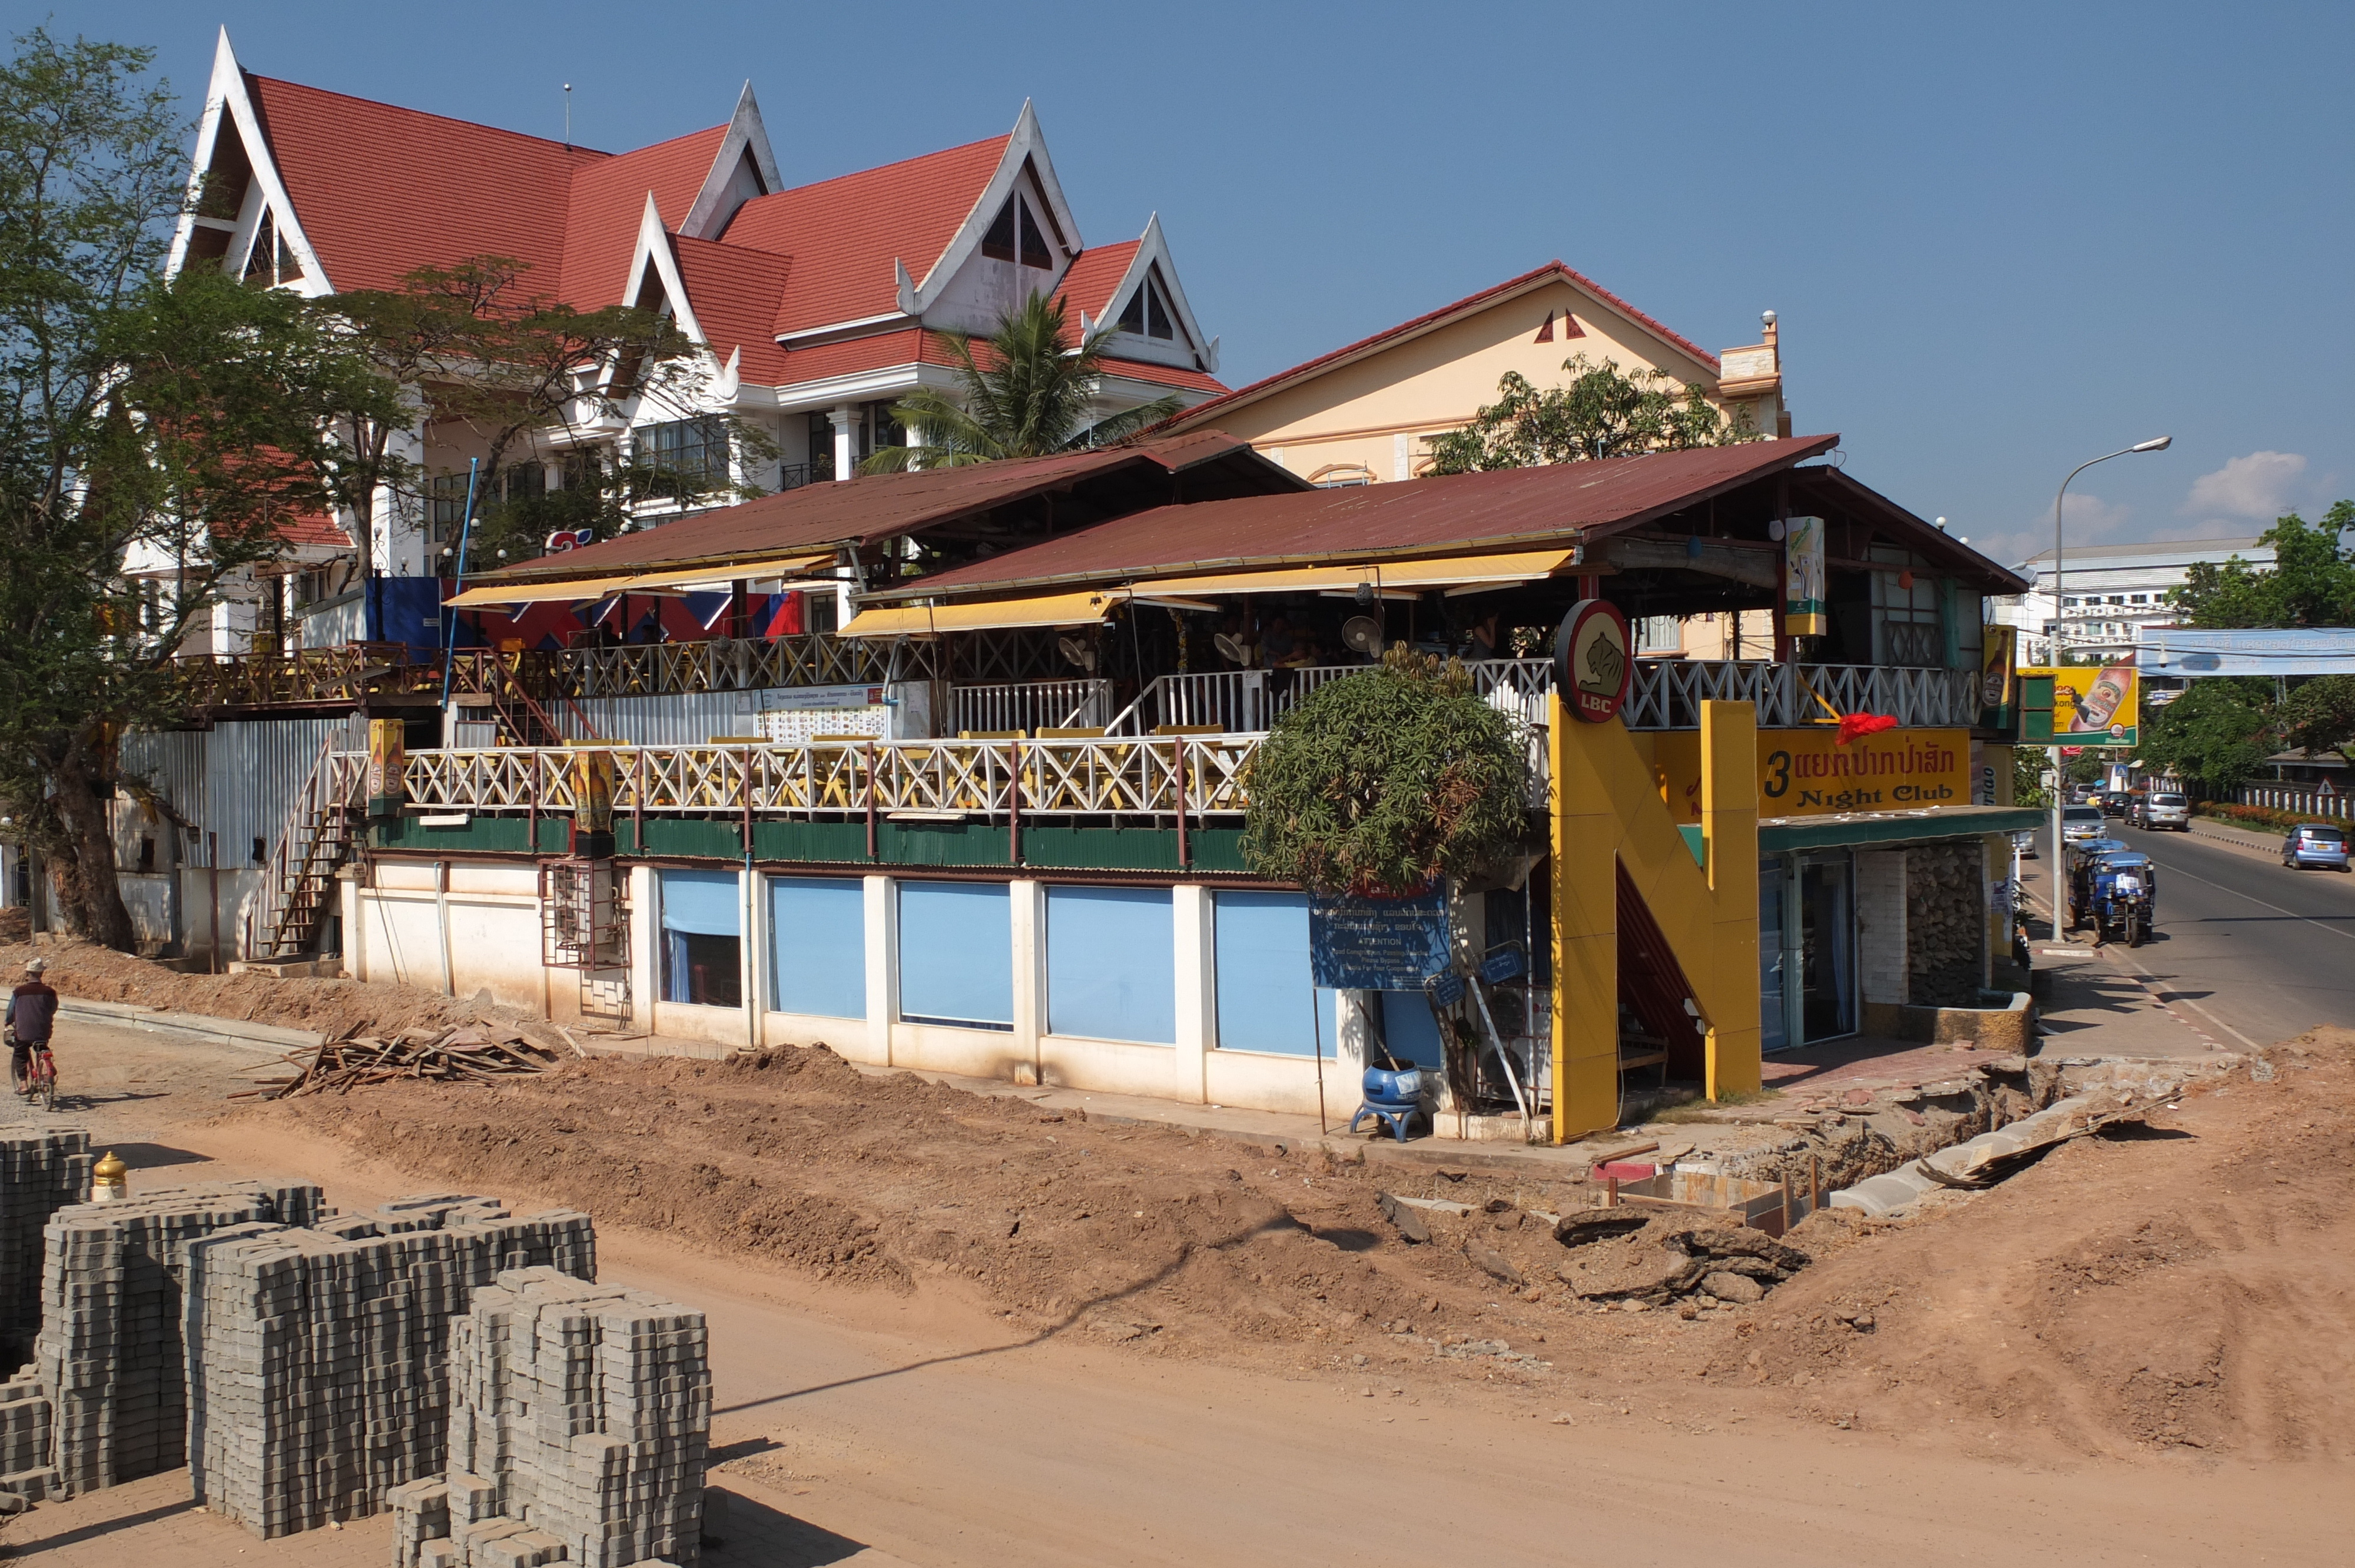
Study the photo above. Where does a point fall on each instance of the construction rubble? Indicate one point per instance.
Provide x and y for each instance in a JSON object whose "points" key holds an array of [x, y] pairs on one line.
{"points": [[468, 1053]]}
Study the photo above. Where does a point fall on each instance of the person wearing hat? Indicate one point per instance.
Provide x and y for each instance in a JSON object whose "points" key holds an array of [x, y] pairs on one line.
{"points": [[32, 1013]]}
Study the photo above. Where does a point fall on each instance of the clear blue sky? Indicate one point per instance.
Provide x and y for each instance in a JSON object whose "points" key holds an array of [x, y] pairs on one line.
{"points": [[2001, 239]]}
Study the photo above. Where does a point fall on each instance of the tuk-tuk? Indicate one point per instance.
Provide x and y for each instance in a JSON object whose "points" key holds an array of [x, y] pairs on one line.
{"points": [[2123, 896], [2081, 858]]}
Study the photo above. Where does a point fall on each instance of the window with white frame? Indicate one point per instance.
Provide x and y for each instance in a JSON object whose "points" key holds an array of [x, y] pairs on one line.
{"points": [[956, 954], [702, 928], [1147, 311], [693, 452], [817, 946], [1111, 964]]}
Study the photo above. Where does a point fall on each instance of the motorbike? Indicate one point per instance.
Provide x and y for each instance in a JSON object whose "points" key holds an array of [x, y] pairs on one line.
{"points": [[2123, 896]]}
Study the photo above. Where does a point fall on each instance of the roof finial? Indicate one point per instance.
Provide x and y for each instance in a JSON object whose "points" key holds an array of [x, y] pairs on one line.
{"points": [[568, 117]]}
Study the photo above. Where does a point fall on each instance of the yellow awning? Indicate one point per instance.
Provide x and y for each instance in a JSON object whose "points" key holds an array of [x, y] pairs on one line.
{"points": [[1451, 572], [927, 620], [680, 580]]}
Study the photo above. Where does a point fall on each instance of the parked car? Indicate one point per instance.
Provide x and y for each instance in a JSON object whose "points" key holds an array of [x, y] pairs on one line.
{"points": [[2023, 844], [2314, 843], [2079, 823], [2161, 808]]}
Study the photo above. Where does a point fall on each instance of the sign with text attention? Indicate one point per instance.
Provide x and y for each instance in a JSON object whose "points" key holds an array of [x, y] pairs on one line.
{"points": [[1805, 773], [1377, 943]]}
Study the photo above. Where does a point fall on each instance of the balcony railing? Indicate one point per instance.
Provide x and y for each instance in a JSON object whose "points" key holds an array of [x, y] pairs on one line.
{"points": [[1246, 701], [1667, 694], [1191, 777], [349, 673]]}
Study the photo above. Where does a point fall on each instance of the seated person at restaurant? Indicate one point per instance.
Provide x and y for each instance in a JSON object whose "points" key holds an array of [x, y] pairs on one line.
{"points": [[1302, 654], [1481, 642], [1276, 641]]}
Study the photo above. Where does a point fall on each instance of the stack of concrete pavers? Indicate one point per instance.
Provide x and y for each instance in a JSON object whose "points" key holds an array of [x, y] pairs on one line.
{"points": [[26, 1413], [109, 1348], [318, 1358], [41, 1171], [579, 1423]]}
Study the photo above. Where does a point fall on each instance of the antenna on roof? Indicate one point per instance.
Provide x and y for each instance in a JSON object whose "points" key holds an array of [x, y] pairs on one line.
{"points": [[568, 117]]}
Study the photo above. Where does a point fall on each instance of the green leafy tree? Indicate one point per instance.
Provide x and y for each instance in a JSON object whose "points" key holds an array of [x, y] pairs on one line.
{"points": [[2319, 715], [1377, 782], [1028, 392], [176, 422], [1603, 412], [2310, 583], [2218, 733]]}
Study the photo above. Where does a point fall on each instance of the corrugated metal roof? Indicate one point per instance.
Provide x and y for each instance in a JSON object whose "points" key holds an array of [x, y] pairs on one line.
{"points": [[874, 506], [1420, 517]]}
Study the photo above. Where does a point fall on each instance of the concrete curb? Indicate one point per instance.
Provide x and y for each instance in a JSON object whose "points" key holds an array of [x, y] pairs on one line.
{"points": [[2243, 839], [265, 1039]]}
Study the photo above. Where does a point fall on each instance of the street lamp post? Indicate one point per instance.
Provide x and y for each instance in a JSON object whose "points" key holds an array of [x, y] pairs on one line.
{"points": [[2059, 792]]}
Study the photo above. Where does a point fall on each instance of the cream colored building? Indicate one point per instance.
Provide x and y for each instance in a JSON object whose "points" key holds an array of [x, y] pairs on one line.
{"points": [[1369, 413]]}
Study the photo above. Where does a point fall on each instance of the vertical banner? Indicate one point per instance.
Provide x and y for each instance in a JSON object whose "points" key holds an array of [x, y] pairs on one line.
{"points": [[592, 802], [1998, 682], [1803, 564], [387, 759]]}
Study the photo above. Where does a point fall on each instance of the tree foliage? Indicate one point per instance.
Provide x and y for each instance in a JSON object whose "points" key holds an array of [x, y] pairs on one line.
{"points": [[175, 422], [2215, 735], [1603, 412], [1379, 782], [1028, 392], [2310, 583]]}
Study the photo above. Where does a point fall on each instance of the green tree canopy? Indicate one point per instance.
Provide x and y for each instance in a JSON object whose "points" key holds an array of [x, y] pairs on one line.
{"points": [[1604, 412], [1030, 392], [2310, 583], [2215, 735], [1377, 782]]}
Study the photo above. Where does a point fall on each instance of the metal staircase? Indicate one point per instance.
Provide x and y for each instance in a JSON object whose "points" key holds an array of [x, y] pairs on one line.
{"points": [[523, 721], [298, 885]]}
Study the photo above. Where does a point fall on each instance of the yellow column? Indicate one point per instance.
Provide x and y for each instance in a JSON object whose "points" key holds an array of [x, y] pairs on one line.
{"points": [[1729, 827], [1585, 936]]}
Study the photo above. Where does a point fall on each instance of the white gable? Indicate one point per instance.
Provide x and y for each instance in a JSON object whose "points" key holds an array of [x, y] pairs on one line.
{"points": [[1149, 317], [229, 108]]}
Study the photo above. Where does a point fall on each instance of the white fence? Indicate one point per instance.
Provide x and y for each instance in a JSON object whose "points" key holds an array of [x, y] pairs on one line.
{"points": [[1030, 705], [2299, 800]]}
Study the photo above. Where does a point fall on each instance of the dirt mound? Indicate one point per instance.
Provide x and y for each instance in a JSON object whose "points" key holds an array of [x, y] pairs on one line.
{"points": [[332, 1007], [2184, 1282], [795, 1156]]}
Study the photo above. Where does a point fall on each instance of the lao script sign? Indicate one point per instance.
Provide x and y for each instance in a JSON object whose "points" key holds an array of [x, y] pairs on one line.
{"points": [[1377, 943]]}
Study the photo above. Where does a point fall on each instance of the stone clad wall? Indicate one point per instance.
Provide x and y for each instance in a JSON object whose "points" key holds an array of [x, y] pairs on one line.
{"points": [[1945, 923]]}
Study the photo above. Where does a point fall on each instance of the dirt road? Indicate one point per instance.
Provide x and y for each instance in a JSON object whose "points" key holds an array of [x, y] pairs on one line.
{"points": [[884, 1418]]}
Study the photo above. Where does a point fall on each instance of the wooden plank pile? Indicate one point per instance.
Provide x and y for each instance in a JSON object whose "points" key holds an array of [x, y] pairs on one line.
{"points": [[472, 1054]]}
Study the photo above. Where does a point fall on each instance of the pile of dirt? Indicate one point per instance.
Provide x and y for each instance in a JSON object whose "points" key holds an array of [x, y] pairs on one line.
{"points": [[794, 1156], [2183, 1282], [332, 1007]]}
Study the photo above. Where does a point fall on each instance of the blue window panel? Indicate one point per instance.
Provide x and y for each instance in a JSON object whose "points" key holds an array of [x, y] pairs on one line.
{"points": [[1112, 966], [702, 903], [956, 954], [1410, 1029], [817, 946], [1261, 951]]}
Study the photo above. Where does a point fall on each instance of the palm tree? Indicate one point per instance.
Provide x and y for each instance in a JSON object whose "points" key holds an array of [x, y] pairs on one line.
{"points": [[1033, 402]]}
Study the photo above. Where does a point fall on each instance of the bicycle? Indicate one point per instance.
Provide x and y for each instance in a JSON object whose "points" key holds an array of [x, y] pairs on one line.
{"points": [[39, 1081]]}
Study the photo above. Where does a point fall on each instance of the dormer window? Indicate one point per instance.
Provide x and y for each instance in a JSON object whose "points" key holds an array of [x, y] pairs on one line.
{"points": [[1147, 312], [1016, 234]]}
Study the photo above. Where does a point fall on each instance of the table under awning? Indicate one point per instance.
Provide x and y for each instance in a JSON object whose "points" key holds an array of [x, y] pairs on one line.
{"points": [[933, 621], [1780, 835], [789, 573]]}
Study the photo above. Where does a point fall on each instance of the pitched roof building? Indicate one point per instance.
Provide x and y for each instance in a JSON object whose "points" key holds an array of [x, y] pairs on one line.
{"points": [[814, 306]]}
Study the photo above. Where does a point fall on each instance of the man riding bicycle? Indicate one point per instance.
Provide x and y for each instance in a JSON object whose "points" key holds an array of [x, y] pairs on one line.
{"points": [[32, 1013]]}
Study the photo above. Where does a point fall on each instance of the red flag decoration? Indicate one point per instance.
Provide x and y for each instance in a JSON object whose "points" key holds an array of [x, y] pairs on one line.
{"points": [[1851, 725]]}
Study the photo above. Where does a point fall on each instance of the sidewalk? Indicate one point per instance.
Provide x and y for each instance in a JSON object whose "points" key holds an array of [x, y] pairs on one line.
{"points": [[2254, 839]]}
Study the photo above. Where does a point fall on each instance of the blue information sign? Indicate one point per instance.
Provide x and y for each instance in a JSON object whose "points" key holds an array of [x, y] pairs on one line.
{"points": [[1447, 989], [1504, 964], [1377, 943]]}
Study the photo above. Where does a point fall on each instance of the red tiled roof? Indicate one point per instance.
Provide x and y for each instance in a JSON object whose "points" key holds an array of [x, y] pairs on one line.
{"points": [[1091, 277], [607, 200], [1411, 517], [1200, 412], [734, 295], [312, 528], [844, 234], [1165, 376], [381, 191]]}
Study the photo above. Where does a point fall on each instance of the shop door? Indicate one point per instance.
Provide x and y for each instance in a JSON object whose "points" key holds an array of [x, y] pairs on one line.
{"points": [[1774, 1027], [1827, 944]]}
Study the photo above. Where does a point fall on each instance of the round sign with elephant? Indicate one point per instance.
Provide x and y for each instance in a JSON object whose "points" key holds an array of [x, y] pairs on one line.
{"points": [[1593, 665]]}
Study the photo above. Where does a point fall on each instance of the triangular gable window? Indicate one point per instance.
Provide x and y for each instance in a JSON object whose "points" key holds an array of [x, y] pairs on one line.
{"points": [[269, 258], [1016, 234], [1147, 312]]}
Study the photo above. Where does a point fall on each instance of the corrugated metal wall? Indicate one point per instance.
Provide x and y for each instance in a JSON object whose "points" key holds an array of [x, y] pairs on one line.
{"points": [[683, 718], [236, 780]]}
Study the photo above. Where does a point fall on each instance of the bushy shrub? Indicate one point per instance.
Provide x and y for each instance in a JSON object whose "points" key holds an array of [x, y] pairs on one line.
{"points": [[1379, 782]]}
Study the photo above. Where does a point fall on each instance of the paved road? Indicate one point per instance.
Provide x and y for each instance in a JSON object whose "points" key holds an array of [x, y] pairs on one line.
{"points": [[2263, 952]]}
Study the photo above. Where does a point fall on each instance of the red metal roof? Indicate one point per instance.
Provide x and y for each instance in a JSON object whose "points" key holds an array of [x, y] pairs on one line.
{"points": [[1202, 413], [875, 506], [381, 191], [1410, 517], [844, 234]]}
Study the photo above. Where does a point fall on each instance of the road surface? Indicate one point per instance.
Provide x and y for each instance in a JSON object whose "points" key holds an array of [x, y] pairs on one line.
{"points": [[2263, 951]]}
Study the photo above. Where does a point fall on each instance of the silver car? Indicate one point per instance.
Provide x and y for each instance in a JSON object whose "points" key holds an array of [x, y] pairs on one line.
{"points": [[2079, 823], [2161, 808]]}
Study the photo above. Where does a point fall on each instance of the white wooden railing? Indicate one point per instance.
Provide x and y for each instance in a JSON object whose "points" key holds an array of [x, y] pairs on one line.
{"points": [[1031, 705], [2299, 800]]}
